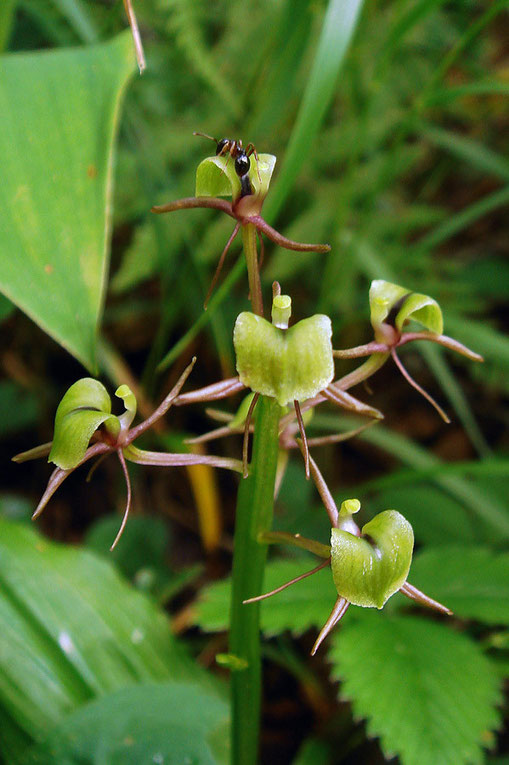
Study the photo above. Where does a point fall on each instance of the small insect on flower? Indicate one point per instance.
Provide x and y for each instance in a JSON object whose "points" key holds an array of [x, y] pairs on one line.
{"points": [[241, 157], [85, 428]]}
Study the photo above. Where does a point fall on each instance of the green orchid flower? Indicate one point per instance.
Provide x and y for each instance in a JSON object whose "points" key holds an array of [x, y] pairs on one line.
{"points": [[84, 416]]}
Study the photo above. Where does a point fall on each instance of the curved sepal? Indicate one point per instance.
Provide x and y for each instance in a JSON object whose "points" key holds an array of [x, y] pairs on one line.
{"points": [[287, 364], [84, 407], [386, 298], [367, 570]]}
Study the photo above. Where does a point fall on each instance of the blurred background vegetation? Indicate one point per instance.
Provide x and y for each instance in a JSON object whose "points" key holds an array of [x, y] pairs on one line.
{"points": [[396, 154]]}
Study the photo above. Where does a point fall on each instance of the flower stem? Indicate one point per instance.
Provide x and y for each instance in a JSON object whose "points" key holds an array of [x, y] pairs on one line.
{"points": [[254, 516], [253, 272]]}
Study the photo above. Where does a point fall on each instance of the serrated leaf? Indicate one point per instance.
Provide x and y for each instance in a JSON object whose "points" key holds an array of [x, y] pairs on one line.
{"points": [[146, 724], [303, 605], [473, 582], [427, 691], [60, 112], [73, 630]]}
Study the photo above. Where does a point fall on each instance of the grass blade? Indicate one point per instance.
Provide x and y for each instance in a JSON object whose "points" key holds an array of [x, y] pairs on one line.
{"points": [[337, 31]]}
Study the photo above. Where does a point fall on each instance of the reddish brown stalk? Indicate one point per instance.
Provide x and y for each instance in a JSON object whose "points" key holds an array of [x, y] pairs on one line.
{"points": [[337, 613], [95, 466], [360, 350], [220, 265], [213, 434], [144, 457], [59, 475], [305, 447], [138, 46], [325, 495], [128, 500], [163, 407], [417, 387], [447, 342], [212, 392], [281, 240], [337, 438], [346, 401], [245, 442], [288, 584], [423, 600], [191, 202]]}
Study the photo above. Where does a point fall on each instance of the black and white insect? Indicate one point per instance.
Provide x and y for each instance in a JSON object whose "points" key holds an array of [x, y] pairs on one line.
{"points": [[240, 156]]}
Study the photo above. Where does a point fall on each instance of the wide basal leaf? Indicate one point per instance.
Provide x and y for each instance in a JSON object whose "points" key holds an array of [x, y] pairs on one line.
{"points": [[60, 113], [72, 629], [473, 582], [427, 691], [303, 605], [174, 723]]}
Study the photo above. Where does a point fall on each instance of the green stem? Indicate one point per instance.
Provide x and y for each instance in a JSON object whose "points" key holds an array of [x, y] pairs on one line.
{"points": [[254, 516], [253, 272]]}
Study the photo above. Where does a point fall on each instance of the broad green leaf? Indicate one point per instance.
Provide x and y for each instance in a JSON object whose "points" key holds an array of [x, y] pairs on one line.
{"points": [[73, 630], [174, 723], [473, 582], [287, 364], [303, 605], [368, 570], [85, 406], [427, 691], [60, 113]]}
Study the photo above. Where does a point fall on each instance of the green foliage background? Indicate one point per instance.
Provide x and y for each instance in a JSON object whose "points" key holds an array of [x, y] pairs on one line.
{"points": [[389, 121]]}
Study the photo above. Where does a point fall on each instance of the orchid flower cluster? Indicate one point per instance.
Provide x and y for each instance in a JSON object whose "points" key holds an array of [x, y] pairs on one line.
{"points": [[292, 364]]}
